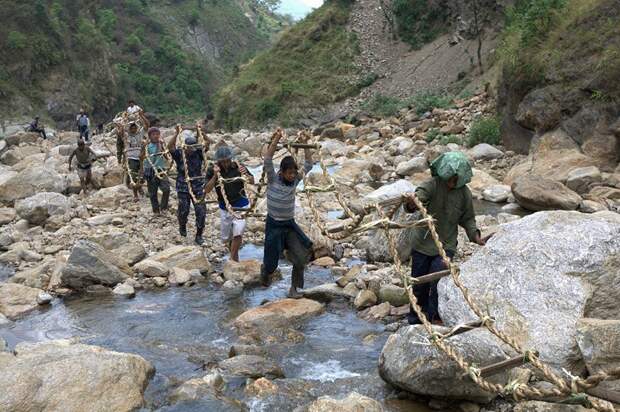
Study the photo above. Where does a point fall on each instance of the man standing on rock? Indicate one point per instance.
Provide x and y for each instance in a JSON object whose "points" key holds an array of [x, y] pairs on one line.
{"points": [[232, 227], [130, 147], [281, 230], [448, 199], [189, 159], [83, 123], [155, 172], [85, 157], [133, 108]]}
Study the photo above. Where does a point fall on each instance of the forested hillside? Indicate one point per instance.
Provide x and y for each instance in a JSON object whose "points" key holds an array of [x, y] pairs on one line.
{"points": [[170, 55]]}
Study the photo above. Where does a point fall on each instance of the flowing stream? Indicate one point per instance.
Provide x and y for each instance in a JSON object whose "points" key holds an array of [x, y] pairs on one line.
{"points": [[180, 329]]}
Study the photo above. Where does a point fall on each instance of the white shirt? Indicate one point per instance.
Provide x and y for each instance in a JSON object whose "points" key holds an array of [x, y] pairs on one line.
{"points": [[133, 109]]}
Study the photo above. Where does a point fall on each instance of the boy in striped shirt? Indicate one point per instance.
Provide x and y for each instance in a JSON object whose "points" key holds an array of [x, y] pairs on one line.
{"points": [[281, 230]]}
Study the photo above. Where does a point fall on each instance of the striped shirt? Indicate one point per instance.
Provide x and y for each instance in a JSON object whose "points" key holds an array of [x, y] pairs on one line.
{"points": [[281, 196]]}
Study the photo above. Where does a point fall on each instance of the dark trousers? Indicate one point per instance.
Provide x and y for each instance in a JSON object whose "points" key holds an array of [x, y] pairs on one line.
{"points": [[39, 130], [426, 294], [84, 132], [286, 235], [153, 183], [200, 210]]}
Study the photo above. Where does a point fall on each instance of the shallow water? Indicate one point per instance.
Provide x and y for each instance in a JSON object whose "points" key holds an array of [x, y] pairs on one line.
{"points": [[179, 329]]}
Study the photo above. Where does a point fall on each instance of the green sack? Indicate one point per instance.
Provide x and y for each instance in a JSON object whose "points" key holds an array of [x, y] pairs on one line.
{"points": [[451, 164]]}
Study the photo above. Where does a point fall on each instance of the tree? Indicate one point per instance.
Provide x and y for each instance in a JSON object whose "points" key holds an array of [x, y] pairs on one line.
{"points": [[267, 5], [478, 30]]}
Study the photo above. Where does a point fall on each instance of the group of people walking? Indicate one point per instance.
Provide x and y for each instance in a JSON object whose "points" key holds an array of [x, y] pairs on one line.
{"points": [[144, 153]]}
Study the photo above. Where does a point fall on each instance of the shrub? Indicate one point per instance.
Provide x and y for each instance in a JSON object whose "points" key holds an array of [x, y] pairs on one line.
{"points": [[432, 134], [426, 102], [484, 130], [384, 106], [419, 21], [17, 40]]}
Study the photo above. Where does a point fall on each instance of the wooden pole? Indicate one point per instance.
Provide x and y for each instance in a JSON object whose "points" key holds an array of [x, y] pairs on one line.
{"points": [[430, 278], [300, 146], [499, 367]]}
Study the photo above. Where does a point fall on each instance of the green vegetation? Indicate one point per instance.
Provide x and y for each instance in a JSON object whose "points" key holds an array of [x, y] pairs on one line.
{"points": [[573, 43], [310, 66], [484, 130], [443, 139], [426, 102], [384, 106], [103, 52], [419, 21]]}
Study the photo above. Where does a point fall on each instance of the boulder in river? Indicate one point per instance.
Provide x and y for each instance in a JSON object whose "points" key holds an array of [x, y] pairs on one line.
{"points": [[538, 276], [354, 402], [90, 264], [411, 362], [36, 209], [61, 375], [151, 268], [16, 300], [184, 257], [245, 271], [282, 313], [538, 193], [251, 366]]}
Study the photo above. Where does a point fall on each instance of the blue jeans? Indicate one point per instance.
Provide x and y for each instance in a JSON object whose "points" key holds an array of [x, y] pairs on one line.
{"points": [[200, 210], [426, 294], [281, 235]]}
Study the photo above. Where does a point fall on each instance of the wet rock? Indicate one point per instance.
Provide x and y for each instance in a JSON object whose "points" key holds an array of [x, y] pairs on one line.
{"points": [[246, 271], [496, 193], [325, 293], [537, 193], [485, 151], [232, 288], [31, 181], [364, 299], [282, 313], [539, 406], [90, 264], [251, 366], [377, 312], [349, 276], [151, 268], [160, 282], [179, 276], [124, 289], [184, 257], [354, 402], [36, 209], [555, 268], [239, 349], [7, 215], [17, 300], [324, 261], [75, 377], [198, 388], [394, 295], [36, 277], [44, 298], [580, 179], [409, 364], [261, 388]]}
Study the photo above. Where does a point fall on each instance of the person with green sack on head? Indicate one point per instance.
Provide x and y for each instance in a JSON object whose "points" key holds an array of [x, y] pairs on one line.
{"points": [[449, 200]]}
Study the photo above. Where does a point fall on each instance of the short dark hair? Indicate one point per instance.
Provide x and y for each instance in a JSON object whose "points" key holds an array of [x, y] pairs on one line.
{"points": [[131, 101], [288, 163]]}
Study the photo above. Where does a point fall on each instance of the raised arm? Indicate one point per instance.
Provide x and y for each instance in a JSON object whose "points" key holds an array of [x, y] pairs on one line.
{"points": [[147, 124], [211, 176], [271, 150], [172, 145]]}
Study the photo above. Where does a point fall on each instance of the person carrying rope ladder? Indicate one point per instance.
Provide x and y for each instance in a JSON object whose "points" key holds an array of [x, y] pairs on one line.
{"points": [[155, 172], [232, 226], [189, 160], [281, 230], [129, 147], [449, 201]]}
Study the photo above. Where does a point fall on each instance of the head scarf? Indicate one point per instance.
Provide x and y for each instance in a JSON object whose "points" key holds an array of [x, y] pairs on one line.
{"points": [[452, 164], [223, 153], [189, 138]]}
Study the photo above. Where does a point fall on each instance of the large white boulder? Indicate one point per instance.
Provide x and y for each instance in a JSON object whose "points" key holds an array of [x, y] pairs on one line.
{"points": [[63, 376], [30, 181], [538, 276], [90, 264], [36, 209]]}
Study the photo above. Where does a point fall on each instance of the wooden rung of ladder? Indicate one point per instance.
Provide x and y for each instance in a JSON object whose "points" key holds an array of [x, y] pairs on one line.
{"points": [[300, 146], [465, 327], [421, 280], [502, 366]]}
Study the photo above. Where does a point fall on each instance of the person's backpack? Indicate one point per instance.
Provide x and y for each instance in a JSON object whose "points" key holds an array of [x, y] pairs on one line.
{"points": [[83, 121]]}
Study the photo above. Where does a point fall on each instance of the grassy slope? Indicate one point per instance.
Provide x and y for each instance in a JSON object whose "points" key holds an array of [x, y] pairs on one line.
{"points": [[310, 66], [98, 53], [578, 47]]}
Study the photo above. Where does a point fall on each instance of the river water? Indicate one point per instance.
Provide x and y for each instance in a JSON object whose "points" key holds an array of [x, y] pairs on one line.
{"points": [[180, 329]]}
